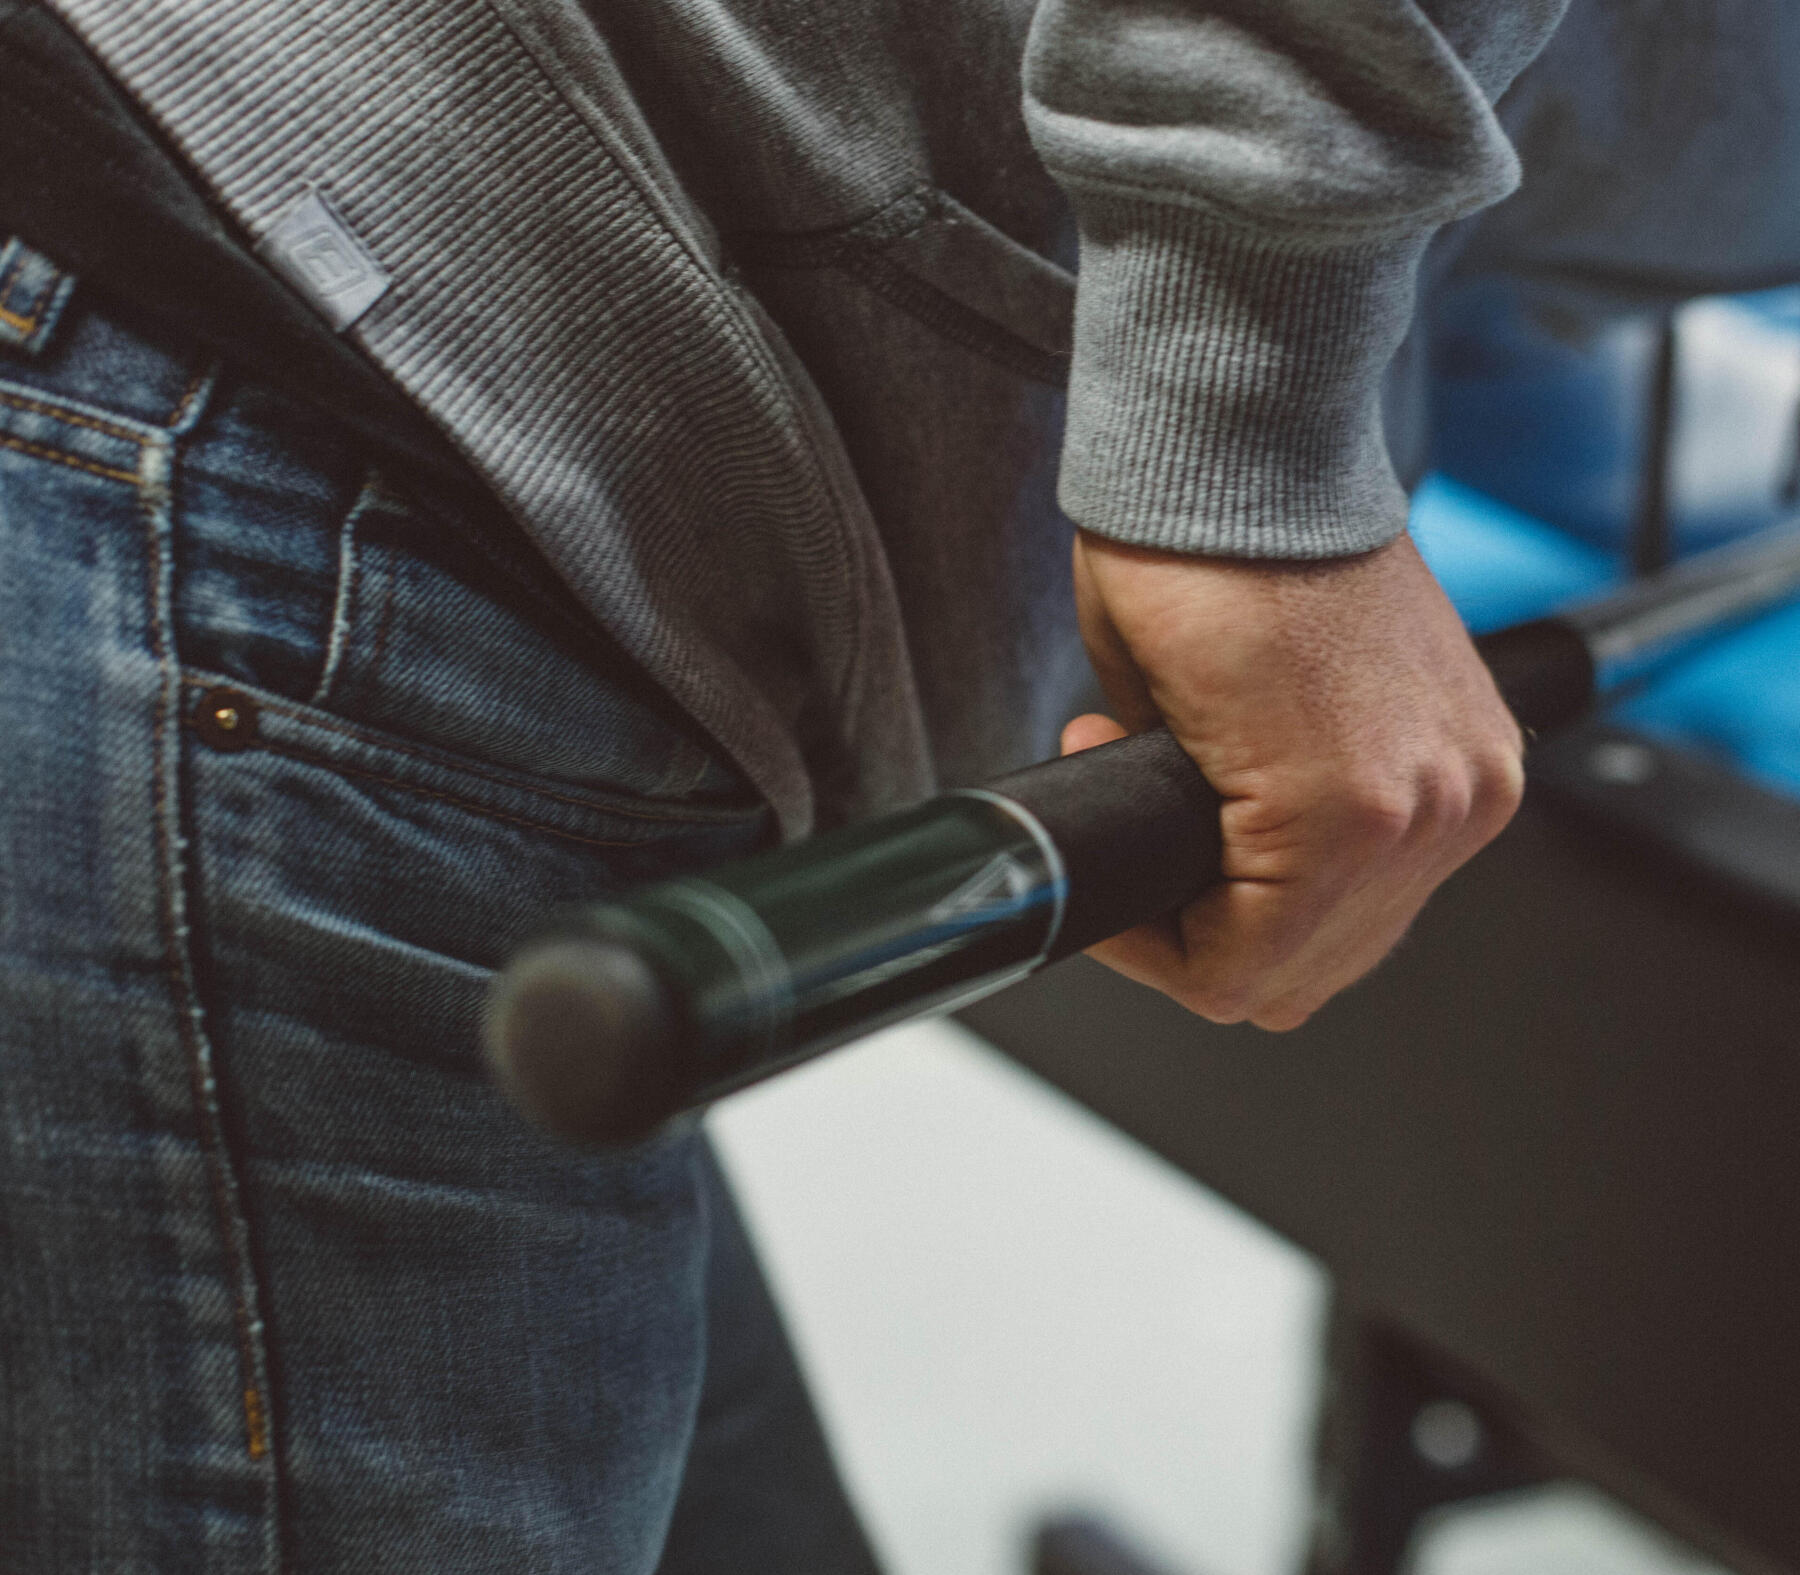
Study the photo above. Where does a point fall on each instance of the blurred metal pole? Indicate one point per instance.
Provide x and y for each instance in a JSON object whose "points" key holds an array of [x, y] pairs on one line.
{"points": [[1704, 592], [1652, 536]]}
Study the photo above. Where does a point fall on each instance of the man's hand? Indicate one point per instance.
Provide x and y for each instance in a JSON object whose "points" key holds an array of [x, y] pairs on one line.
{"points": [[1357, 739]]}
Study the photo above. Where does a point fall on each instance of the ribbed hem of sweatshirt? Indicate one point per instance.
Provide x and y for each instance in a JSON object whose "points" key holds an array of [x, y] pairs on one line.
{"points": [[1225, 396]]}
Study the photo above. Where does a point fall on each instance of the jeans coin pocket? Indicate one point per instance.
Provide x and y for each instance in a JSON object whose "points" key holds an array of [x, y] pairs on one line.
{"points": [[305, 570]]}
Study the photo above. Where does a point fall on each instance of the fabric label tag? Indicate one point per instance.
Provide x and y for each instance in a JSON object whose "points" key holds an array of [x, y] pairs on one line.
{"points": [[317, 253]]}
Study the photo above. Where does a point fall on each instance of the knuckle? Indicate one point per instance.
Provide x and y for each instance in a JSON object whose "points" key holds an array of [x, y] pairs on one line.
{"points": [[1509, 778], [1476, 792], [1451, 797], [1381, 814], [1499, 789]]}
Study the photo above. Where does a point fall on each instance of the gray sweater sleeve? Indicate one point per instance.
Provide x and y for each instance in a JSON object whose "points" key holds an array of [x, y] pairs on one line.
{"points": [[1254, 182]]}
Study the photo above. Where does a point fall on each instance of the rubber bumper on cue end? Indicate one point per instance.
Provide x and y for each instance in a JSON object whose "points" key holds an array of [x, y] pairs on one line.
{"points": [[584, 1037]]}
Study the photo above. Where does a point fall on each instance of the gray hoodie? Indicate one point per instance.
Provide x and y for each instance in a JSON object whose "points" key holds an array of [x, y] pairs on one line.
{"points": [[756, 313]]}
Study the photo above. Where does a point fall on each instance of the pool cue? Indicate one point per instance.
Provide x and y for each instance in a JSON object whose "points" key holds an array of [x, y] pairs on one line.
{"points": [[619, 1015]]}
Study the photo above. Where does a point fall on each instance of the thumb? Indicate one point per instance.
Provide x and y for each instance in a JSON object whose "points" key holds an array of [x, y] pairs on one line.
{"points": [[1088, 730]]}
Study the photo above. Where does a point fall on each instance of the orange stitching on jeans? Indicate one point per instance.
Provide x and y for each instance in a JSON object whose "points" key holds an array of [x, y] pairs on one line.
{"points": [[196, 386], [50, 285], [56, 412], [187, 1005], [470, 768], [256, 1420], [32, 320], [39, 451]]}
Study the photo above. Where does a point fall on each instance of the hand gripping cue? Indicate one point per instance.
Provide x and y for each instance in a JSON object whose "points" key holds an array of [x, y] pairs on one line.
{"points": [[616, 1016]]}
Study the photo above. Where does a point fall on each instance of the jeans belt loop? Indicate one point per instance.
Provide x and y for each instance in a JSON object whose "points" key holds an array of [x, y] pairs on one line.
{"points": [[33, 293]]}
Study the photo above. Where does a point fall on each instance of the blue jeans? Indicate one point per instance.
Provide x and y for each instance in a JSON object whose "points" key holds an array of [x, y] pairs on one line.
{"points": [[290, 756]]}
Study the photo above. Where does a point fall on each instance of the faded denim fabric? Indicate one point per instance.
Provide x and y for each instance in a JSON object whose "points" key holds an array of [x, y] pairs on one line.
{"points": [[290, 757]]}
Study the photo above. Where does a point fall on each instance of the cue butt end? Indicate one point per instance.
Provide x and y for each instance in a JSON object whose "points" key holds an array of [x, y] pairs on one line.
{"points": [[585, 1037]]}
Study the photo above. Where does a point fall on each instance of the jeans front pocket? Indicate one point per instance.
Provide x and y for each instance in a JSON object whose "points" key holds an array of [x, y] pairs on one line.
{"points": [[486, 1349], [306, 569], [402, 745], [291, 757]]}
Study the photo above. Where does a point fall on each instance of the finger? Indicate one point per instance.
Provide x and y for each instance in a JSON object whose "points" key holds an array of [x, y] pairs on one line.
{"points": [[1151, 954], [1251, 943], [1088, 730], [1354, 937], [1272, 951], [1335, 970]]}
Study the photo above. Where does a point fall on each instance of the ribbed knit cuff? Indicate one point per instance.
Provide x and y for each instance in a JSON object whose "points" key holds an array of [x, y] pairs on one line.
{"points": [[1225, 392]]}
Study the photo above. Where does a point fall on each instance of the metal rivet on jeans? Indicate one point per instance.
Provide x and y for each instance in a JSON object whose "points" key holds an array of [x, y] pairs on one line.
{"points": [[226, 719]]}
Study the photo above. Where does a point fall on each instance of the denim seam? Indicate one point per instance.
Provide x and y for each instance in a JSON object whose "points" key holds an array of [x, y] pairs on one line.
{"points": [[74, 418], [192, 403], [486, 812], [384, 622], [28, 324], [461, 765], [348, 581], [155, 496], [48, 307], [63, 457], [181, 420], [12, 273], [28, 328], [469, 768]]}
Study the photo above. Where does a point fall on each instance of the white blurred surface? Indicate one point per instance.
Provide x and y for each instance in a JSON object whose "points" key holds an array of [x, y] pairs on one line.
{"points": [[1736, 393], [1008, 1308], [1562, 1530]]}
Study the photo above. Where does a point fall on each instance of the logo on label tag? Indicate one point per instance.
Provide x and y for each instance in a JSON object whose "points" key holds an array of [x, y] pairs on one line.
{"points": [[1002, 882], [312, 248]]}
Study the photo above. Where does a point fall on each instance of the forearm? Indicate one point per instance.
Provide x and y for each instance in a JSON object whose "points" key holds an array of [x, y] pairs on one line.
{"points": [[1255, 181]]}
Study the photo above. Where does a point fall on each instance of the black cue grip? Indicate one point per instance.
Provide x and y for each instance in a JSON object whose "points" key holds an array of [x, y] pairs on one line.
{"points": [[620, 1015], [1137, 826]]}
